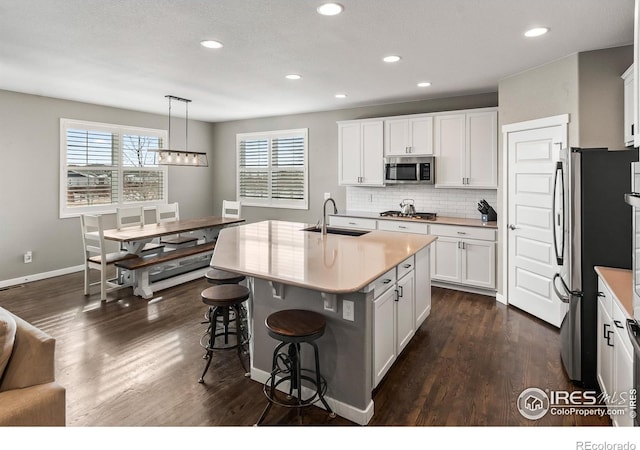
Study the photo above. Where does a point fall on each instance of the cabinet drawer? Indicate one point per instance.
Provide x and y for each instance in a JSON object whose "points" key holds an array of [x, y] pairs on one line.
{"points": [[605, 297], [620, 327], [406, 266], [483, 234], [404, 226], [352, 222], [383, 283]]}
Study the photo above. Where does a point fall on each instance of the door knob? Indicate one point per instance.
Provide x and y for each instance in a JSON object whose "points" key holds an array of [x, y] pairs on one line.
{"points": [[512, 227]]}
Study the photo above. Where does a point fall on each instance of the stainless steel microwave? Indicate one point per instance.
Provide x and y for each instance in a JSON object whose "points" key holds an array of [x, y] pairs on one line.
{"points": [[402, 169]]}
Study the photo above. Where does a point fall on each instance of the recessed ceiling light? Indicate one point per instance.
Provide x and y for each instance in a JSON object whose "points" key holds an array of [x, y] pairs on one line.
{"points": [[341, 95], [330, 9], [391, 59], [424, 84], [293, 76], [534, 32], [211, 44]]}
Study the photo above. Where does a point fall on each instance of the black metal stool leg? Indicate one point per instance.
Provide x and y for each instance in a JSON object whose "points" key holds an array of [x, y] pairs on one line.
{"points": [[319, 380]]}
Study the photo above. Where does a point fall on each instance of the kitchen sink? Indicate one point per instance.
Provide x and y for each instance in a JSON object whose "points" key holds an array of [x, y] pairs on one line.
{"points": [[332, 230]]}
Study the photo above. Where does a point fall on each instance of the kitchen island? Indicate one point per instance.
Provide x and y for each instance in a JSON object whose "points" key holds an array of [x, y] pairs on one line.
{"points": [[373, 289]]}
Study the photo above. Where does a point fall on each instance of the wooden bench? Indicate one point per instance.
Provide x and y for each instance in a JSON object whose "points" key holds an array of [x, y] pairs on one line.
{"points": [[141, 266]]}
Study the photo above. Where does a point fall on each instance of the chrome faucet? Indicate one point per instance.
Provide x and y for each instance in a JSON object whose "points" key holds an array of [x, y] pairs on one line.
{"points": [[324, 213]]}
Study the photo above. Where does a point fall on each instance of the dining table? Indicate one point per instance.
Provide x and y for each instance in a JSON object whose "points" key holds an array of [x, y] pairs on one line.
{"points": [[150, 273]]}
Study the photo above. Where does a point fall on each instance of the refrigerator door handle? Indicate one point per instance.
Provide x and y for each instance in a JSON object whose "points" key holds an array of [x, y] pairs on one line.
{"points": [[558, 219], [634, 333], [568, 293]]}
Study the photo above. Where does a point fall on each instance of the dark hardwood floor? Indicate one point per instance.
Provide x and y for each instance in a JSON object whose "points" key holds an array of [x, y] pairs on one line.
{"points": [[132, 362]]}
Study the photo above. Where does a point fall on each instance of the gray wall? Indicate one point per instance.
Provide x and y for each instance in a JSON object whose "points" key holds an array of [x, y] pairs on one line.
{"points": [[323, 150], [601, 97], [29, 179]]}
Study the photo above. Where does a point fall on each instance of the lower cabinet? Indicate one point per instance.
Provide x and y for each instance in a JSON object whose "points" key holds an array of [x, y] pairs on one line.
{"points": [[393, 316], [615, 356], [464, 255]]}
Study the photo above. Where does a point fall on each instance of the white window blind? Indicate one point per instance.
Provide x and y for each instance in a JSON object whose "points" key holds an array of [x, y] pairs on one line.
{"points": [[104, 166], [272, 169]]}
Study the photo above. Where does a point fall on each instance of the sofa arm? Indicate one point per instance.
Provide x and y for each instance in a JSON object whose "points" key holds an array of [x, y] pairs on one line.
{"points": [[41, 405], [32, 359]]}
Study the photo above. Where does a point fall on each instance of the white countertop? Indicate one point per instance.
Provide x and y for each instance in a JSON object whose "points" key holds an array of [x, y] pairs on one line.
{"points": [[441, 220], [281, 252]]}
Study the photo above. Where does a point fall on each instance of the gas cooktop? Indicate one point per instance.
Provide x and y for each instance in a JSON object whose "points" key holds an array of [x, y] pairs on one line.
{"points": [[417, 215]]}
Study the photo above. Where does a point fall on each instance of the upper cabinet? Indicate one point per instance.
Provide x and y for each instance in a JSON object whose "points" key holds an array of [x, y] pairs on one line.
{"points": [[408, 136], [466, 149], [360, 152], [629, 99]]}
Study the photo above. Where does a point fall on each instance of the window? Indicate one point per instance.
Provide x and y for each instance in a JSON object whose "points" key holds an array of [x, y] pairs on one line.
{"points": [[272, 169], [104, 166]]}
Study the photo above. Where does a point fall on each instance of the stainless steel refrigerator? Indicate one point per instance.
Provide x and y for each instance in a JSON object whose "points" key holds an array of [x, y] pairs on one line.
{"points": [[592, 227]]}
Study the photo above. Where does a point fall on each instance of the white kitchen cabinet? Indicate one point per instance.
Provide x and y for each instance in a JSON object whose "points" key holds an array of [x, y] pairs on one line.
{"points": [[384, 332], [360, 153], [394, 316], [466, 149], [629, 99], [464, 255], [358, 223], [422, 293], [614, 366], [403, 226], [636, 70], [408, 136]]}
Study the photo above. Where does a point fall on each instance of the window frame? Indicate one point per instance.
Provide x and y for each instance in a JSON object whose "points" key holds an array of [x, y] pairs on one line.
{"points": [[271, 202], [119, 167]]}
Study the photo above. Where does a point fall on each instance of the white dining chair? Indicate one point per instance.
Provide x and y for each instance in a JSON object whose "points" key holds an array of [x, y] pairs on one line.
{"points": [[231, 209], [133, 216], [96, 256], [170, 213]]}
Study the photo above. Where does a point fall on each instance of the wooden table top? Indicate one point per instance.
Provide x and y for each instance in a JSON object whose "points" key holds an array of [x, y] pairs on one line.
{"points": [[153, 230]]}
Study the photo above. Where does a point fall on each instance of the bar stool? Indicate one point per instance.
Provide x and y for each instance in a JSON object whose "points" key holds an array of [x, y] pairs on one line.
{"points": [[217, 276], [222, 300], [293, 327]]}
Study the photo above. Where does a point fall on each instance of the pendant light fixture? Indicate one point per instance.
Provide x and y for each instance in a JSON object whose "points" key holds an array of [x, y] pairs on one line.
{"points": [[172, 157]]}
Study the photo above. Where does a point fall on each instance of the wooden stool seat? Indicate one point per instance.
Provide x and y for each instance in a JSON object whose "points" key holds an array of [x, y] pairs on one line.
{"points": [[217, 276], [295, 324], [225, 295]]}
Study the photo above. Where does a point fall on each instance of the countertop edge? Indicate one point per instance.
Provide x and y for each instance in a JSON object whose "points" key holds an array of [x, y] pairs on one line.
{"points": [[606, 274], [440, 220]]}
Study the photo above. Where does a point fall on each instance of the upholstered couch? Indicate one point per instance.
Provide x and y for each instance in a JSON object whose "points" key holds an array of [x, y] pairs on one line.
{"points": [[29, 394]]}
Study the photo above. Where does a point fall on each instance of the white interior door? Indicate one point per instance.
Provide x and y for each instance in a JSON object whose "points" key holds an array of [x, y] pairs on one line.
{"points": [[532, 155]]}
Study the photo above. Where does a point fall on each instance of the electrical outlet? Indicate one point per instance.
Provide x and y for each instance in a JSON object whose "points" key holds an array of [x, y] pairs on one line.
{"points": [[28, 257], [327, 195], [347, 310]]}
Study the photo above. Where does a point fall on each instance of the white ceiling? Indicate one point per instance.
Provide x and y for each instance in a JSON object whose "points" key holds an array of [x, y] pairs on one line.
{"points": [[130, 54]]}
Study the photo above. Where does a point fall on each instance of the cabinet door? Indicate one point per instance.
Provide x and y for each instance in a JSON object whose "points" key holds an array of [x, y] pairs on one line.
{"points": [[372, 158], [421, 136], [623, 380], [349, 145], [405, 305], [628, 106], [604, 360], [423, 286], [396, 137], [449, 146], [482, 150], [478, 264], [445, 260], [384, 333]]}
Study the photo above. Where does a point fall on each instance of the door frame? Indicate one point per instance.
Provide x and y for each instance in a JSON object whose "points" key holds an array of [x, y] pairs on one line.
{"points": [[553, 121]]}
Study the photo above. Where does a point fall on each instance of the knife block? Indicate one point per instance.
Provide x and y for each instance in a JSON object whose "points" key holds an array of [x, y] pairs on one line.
{"points": [[491, 216]]}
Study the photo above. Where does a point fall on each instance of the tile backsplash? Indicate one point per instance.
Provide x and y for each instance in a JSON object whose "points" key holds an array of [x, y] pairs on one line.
{"points": [[445, 202]]}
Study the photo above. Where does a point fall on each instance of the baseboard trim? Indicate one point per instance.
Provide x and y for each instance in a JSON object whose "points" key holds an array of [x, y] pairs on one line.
{"points": [[502, 299], [40, 276], [359, 416], [460, 287]]}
